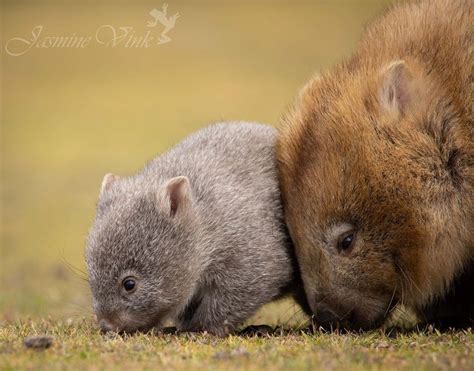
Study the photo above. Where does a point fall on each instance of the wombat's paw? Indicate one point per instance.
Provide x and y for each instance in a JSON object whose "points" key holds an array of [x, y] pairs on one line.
{"points": [[257, 330], [166, 331], [220, 332]]}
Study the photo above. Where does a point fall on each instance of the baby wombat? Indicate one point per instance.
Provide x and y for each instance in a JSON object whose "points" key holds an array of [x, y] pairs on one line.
{"points": [[196, 237], [377, 171]]}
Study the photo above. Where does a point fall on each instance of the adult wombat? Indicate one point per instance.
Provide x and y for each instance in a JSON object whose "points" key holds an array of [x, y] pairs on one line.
{"points": [[377, 171]]}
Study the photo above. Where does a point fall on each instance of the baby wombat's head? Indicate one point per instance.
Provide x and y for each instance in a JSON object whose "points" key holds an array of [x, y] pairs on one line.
{"points": [[365, 166], [140, 253]]}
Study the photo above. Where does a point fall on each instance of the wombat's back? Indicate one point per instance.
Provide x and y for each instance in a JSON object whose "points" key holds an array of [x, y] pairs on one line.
{"points": [[229, 165], [232, 171]]}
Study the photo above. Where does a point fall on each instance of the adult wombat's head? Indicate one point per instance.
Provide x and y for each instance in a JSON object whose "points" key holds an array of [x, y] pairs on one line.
{"points": [[140, 253], [370, 173]]}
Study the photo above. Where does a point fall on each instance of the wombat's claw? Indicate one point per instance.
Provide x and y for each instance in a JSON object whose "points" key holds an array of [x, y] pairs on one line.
{"points": [[151, 23]]}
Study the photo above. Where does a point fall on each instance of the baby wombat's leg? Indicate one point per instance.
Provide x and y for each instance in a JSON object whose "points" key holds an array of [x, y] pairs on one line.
{"points": [[218, 314]]}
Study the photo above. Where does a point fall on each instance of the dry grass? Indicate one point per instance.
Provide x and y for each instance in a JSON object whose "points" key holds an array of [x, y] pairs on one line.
{"points": [[78, 345]]}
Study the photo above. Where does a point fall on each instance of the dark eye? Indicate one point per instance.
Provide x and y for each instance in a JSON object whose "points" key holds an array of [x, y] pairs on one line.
{"points": [[346, 241], [129, 284]]}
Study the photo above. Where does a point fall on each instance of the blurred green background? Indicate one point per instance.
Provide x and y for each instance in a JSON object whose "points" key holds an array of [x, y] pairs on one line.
{"points": [[68, 116]]}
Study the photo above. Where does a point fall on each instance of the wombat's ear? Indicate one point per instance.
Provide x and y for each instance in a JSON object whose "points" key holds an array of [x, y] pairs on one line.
{"points": [[399, 88], [107, 182], [174, 197]]}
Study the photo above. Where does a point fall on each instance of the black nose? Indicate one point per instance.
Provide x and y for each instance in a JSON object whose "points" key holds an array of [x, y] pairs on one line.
{"points": [[325, 317]]}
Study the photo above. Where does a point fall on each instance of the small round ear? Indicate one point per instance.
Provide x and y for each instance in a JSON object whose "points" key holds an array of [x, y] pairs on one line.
{"points": [[174, 198], [396, 90], [107, 182], [404, 87]]}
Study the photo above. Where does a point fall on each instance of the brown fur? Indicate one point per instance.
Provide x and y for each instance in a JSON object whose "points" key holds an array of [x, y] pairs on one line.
{"points": [[383, 144]]}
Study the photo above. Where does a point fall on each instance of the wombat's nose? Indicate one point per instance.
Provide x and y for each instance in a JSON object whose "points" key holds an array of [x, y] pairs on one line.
{"points": [[106, 325], [325, 316]]}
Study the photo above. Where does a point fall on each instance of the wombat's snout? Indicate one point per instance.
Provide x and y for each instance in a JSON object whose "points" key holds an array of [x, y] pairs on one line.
{"points": [[356, 317], [110, 322], [122, 324], [325, 316], [106, 325]]}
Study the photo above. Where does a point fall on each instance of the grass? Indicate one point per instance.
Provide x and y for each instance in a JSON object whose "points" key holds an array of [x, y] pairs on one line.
{"points": [[70, 116], [78, 345]]}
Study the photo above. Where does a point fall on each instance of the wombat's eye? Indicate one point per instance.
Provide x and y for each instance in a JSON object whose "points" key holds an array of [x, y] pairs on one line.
{"points": [[345, 242], [129, 284]]}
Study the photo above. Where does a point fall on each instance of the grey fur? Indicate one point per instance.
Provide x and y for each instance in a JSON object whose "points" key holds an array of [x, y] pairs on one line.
{"points": [[209, 258]]}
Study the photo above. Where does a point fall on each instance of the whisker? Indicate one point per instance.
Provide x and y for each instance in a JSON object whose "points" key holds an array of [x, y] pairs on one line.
{"points": [[74, 269], [409, 279], [390, 303]]}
